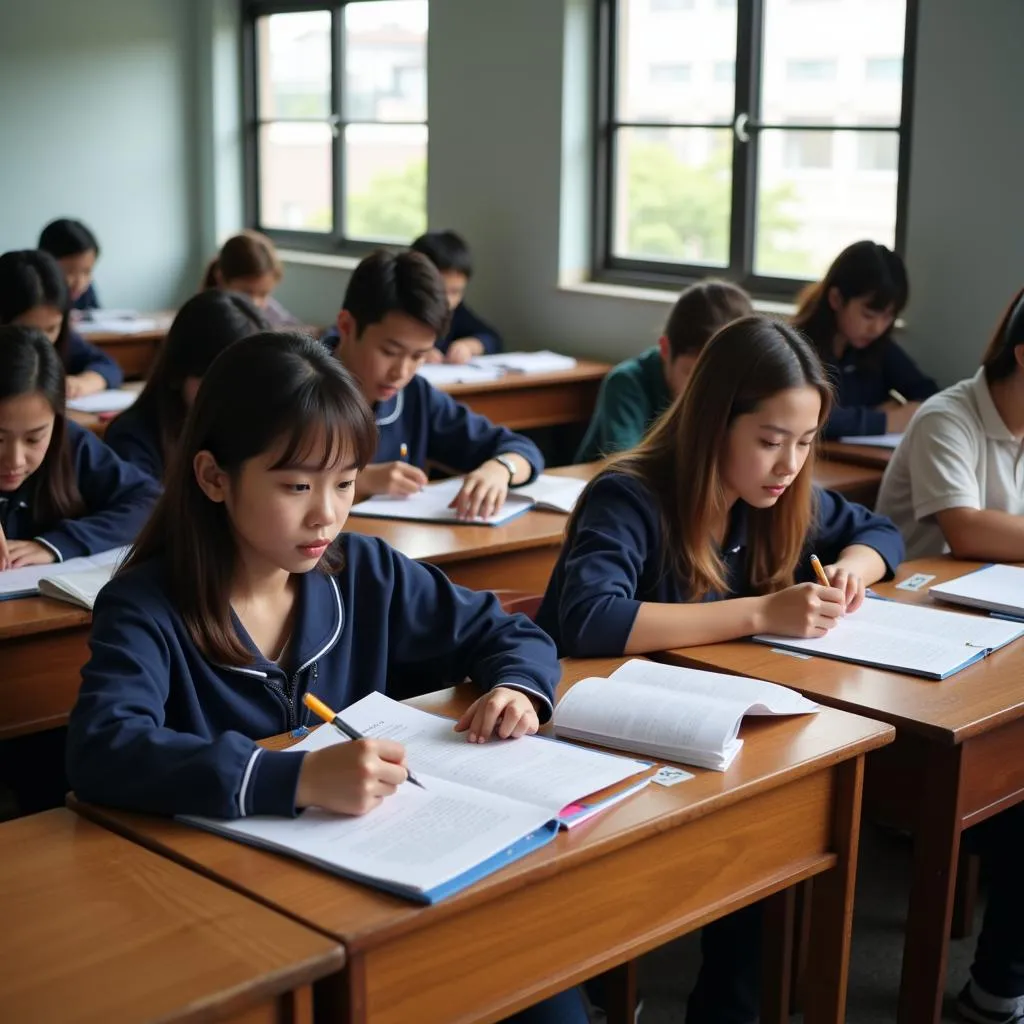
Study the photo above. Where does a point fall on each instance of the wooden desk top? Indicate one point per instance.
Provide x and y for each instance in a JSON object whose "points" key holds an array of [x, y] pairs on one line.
{"points": [[24, 616], [584, 370], [109, 339], [777, 752], [845, 477], [99, 929], [975, 700], [856, 454]]}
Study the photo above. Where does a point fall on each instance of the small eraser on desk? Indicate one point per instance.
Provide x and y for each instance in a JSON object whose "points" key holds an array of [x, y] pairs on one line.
{"points": [[669, 775], [915, 582]]}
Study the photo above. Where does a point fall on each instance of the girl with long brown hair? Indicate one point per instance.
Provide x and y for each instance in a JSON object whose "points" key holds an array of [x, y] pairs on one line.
{"points": [[248, 264]]}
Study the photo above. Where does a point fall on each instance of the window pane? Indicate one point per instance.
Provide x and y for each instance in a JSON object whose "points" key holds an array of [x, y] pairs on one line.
{"points": [[853, 60], [675, 62], [672, 194], [816, 193], [294, 61], [295, 176], [386, 61], [385, 181]]}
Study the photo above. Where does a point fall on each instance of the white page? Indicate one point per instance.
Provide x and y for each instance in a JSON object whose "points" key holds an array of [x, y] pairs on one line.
{"points": [[80, 587], [998, 587], [559, 493], [112, 325], [26, 580], [443, 374], [532, 768], [418, 837], [874, 440], [104, 401], [431, 505], [544, 361]]}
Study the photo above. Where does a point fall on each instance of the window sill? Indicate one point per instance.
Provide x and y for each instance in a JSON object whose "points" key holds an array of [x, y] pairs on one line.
{"points": [[333, 261]]}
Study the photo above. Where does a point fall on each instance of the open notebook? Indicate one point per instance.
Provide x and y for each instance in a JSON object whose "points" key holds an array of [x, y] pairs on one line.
{"points": [[995, 588], [678, 714], [526, 362], [875, 440], [908, 638], [114, 400], [551, 493], [443, 374], [78, 580], [482, 805]]}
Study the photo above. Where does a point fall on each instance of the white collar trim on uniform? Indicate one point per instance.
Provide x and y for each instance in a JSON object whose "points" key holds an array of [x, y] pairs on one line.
{"points": [[390, 417]]}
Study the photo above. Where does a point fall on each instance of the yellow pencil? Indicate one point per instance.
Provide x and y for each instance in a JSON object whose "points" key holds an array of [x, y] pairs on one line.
{"points": [[403, 451], [819, 571]]}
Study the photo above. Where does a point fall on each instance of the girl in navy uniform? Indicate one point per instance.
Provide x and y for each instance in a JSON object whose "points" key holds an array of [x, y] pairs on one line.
{"points": [[702, 534], [242, 595], [75, 248], [34, 293]]}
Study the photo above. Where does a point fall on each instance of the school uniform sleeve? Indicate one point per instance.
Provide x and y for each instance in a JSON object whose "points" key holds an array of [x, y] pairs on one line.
{"points": [[619, 420], [118, 498], [462, 440], [616, 533], [841, 523], [944, 455], [466, 324], [903, 374], [854, 421], [120, 752], [83, 357], [128, 438]]}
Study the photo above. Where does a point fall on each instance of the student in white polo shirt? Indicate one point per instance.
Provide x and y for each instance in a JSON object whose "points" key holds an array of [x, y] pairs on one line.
{"points": [[956, 482]]}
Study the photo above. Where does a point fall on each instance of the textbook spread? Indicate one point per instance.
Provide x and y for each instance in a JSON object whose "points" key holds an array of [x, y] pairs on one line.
{"points": [[678, 714], [78, 580], [995, 588], [483, 805], [908, 638]]}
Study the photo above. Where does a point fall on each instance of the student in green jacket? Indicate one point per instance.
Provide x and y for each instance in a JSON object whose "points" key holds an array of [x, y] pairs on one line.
{"points": [[639, 390]]}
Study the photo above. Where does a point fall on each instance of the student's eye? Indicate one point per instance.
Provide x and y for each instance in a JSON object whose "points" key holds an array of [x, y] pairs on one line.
{"points": [[346, 485], [296, 488], [805, 444], [771, 444]]}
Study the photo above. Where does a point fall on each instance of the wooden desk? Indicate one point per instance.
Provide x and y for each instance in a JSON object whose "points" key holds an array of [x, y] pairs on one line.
{"points": [[656, 866], [956, 761], [521, 401], [97, 929], [134, 353], [855, 483], [856, 454]]}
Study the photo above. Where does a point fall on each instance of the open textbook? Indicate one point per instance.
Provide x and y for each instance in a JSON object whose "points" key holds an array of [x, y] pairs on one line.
{"points": [[995, 588], [908, 638], [483, 805], [544, 361], [78, 580], [552, 493], [679, 714]]}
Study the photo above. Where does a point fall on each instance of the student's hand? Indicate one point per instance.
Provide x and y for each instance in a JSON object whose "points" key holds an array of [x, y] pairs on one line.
{"points": [[898, 417], [27, 552], [464, 349], [806, 610], [88, 383], [505, 713], [850, 583], [351, 778], [435, 355], [399, 479], [5, 555], [483, 492]]}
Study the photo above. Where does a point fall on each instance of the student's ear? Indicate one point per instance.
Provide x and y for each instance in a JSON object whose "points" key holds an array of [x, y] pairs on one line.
{"points": [[666, 351], [211, 478], [346, 326], [835, 299]]}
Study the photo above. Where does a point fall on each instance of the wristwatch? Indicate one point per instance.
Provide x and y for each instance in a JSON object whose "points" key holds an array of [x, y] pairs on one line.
{"points": [[509, 465]]}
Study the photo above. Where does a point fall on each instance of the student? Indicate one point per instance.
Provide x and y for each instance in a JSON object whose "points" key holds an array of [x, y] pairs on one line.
{"points": [[248, 263], [467, 334], [147, 433], [703, 533], [33, 293], [75, 248], [956, 482], [243, 594], [392, 315], [639, 390], [849, 317]]}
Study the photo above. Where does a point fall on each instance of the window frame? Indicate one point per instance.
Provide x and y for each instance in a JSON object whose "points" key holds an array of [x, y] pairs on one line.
{"points": [[614, 269], [335, 241]]}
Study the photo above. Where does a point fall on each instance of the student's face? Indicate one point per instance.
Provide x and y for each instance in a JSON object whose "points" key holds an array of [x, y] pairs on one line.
{"points": [[386, 355], [78, 272], [767, 448], [257, 288], [454, 286], [26, 423], [282, 519], [47, 319], [857, 322]]}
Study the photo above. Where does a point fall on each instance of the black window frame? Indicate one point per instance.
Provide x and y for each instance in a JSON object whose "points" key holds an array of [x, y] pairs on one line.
{"points": [[608, 267], [335, 241]]}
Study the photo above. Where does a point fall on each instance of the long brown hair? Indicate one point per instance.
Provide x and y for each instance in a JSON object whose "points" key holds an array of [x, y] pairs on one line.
{"points": [[29, 364], [247, 254], [260, 391], [1000, 358], [700, 311], [744, 364]]}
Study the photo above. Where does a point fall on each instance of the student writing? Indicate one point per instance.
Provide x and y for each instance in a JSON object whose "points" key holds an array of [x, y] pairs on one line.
{"points": [[639, 390], [242, 595], [248, 264], [956, 482], [393, 312], [849, 316], [76, 250], [147, 433]]}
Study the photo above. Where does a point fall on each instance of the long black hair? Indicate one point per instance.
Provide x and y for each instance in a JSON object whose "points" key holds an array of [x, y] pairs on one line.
{"points": [[67, 237], [30, 278]]}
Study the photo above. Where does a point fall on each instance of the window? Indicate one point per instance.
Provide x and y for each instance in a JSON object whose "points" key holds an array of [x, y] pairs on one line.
{"points": [[337, 122], [672, 5], [763, 181]]}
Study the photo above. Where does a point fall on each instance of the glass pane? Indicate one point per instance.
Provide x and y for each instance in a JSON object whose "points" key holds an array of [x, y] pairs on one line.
{"points": [[831, 62], [672, 194], [676, 61], [295, 176], [294, 61], [385, 182], [386, 61], [819, 191]]}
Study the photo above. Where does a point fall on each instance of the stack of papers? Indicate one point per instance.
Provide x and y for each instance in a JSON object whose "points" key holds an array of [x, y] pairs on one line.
{"points": [[106, 324], [996, 588]]}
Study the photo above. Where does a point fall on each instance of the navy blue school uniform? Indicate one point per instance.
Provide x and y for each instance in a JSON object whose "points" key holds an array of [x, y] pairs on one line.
{"points": [[87, 300], [863, 381], [614, 562], [117, 496], [466, 324], [83, 356], [136, 439], [435, 427]]}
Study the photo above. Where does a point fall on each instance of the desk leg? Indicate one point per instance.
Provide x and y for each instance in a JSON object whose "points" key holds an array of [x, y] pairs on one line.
{"points": [[828, 959], [620, 993], [777, 957], [936, 851]]}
